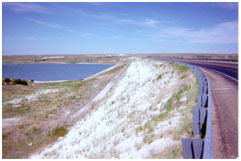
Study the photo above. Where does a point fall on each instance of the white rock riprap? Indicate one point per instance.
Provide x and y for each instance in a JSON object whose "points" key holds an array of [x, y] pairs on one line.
{"points": [[110, 130]]}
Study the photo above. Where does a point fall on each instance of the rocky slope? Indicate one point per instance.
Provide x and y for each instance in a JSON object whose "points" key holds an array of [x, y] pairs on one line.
{"points": [[144, 115]]}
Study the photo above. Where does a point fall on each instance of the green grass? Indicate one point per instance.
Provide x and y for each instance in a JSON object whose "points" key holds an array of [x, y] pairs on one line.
{"points": [[21, 126], [59, 131], [180, 68], [186, 127], [159, 77], [168, 107], [114, 70], [36, 130], [73, 83], [192, 94], [187, 123], [22, 109], [9, 110]]}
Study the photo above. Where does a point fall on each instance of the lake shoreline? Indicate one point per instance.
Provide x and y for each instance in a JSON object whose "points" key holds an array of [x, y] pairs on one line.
{"points": [[56, 81], [50, 73]]}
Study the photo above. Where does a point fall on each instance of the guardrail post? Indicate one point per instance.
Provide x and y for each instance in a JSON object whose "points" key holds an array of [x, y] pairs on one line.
{"points": [[196, 121], [198, 148], [205, 89], [192, 148], [204, 100], [199, 100], [187, 148], [203, 119]]}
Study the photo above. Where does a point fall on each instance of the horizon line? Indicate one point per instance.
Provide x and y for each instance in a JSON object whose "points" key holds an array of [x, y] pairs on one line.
{"points": [[120, 54]]}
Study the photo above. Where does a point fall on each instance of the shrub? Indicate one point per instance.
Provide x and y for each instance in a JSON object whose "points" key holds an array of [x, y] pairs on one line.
{"points": [[13, 82], [24, 82], [60, 131], [159, 77], [19, 81], [36, 130], [21, 126], [7, 80]]}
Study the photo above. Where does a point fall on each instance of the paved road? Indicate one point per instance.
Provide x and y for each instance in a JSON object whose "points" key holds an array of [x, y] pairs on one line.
{"points": [[224, 114], [230, 69], [223, 78]]}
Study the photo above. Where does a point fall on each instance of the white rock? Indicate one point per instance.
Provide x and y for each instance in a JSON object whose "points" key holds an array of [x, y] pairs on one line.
{"points": [[110, 131]]}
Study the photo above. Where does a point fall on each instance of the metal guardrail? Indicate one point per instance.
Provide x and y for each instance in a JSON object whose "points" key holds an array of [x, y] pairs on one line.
{"points": [[201, 145]]}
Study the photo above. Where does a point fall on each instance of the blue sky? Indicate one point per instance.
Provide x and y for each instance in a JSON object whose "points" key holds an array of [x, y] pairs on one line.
{"points": [[119, 28]]}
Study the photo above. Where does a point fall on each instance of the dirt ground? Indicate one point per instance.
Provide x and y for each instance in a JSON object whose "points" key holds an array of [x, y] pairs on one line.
{"points": [[29, 125]]}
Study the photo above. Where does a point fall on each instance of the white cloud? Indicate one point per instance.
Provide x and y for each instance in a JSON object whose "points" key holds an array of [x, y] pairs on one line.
{"points": [[33, 38], [164, 30], [26, 7], [56, 26], [30, 38], [142, 22], [77, 32], [100, 16], [151, 22], [60, 27], [226, 32]]}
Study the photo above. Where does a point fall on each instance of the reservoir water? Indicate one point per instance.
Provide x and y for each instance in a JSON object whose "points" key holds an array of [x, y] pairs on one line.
{"points": [[51, 72]]}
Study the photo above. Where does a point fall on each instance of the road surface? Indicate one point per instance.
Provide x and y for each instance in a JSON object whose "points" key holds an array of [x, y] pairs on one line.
{"points": [[227, 68], [230, 69], [224, 114]]}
